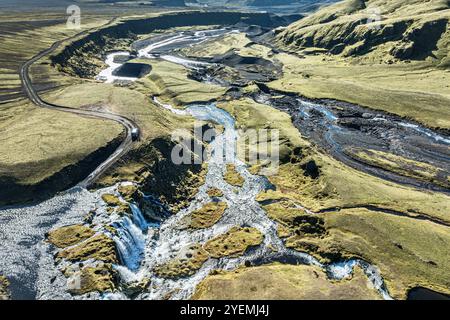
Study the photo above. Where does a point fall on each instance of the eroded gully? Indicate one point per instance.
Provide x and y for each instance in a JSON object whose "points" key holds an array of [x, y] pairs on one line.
{"points": [[143, 244]]}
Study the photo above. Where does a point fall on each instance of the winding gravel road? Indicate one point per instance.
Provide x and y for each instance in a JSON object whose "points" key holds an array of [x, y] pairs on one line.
{"points": [[129, 125]]}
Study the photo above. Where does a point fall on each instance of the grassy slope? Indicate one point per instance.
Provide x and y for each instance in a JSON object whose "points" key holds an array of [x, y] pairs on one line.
{"points": [[282, 282], [344, 58], [350, 232], [170, 81], [38, 143]]}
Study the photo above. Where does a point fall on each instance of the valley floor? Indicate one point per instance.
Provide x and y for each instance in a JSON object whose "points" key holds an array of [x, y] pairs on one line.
{"points": [[151, 229]]}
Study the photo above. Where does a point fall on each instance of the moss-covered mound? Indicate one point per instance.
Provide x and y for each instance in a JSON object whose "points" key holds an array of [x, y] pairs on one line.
{"points": [[68, 236], [234, 243], [111, 200], [233, 177], [215, 193], [207, 216], [99, 248], [100, 278]]}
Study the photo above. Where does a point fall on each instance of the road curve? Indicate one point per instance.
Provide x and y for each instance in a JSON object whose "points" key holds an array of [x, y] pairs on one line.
{"points": [[129, 125]]}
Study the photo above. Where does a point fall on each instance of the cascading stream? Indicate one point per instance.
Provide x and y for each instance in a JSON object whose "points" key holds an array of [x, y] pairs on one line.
{"points": [[243, 210]]}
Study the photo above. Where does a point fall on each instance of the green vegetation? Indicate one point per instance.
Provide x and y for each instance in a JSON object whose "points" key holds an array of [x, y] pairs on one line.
{"points": [[99, 247], [252, 115], [283, 282], [170, 81], [215, 193], [100, 278], [408, 252], [233, 243], [347, 233], [398, 64], [341, 186], [34, 158], [35, 161], [233, 177], [397, 164], [186, 265], [207, 216], [4, 288], [70, 235]]}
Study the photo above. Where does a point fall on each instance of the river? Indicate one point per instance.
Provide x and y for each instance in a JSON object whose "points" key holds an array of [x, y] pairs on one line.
{"points": [[143, 245]]}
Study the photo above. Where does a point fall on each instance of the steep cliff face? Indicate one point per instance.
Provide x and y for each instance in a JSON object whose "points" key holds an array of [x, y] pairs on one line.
{"points": [[406, 30], [83, 57]]}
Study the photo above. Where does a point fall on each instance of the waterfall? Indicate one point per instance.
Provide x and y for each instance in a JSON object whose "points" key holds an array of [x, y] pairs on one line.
{"points": [[130, 241], [138, 217]]}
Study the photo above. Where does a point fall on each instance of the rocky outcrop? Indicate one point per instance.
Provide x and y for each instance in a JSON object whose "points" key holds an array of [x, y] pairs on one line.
{"points": [[421, 40]]}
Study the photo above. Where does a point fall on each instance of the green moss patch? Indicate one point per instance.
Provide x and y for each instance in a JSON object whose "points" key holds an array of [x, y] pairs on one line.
{"points": [[207, 216], [101, 278], [111, 200], [99, 248], [234, 243], [68, 236]]}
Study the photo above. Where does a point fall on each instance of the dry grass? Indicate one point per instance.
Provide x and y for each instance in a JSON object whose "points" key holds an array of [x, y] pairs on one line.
{"points": [[283, 282]]}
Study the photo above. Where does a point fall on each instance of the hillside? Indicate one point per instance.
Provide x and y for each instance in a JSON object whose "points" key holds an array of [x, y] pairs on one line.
{"points": [[389, 55], [387, 29]]}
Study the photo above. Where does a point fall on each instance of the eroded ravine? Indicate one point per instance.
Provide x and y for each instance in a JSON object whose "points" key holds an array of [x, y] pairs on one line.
{"points": [[242, 210], [143, 245]]}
